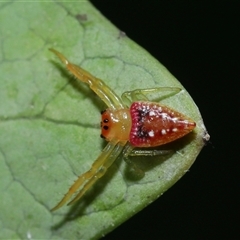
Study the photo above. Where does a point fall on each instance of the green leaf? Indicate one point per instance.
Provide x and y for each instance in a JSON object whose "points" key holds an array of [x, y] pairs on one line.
{"points": [[49, 122]]}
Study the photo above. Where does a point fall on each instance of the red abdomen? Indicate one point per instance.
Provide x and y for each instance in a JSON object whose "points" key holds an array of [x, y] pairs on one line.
{"points": [[154, 124]]}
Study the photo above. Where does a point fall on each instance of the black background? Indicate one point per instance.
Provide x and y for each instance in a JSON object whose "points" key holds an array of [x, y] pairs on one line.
{"points": [[199, 44]]}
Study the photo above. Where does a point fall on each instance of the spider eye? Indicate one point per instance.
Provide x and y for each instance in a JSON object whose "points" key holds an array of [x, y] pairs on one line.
{"points": [[106, 124], [105, 127], [102, 136]]}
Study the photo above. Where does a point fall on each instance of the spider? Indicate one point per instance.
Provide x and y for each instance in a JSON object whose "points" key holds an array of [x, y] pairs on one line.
{"points": [[128, 124]]}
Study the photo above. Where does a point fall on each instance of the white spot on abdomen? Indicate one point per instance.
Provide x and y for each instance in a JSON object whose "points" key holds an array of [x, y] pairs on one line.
{"points": [[174, 119], [151, 133], [163, 132], [152, 113]]}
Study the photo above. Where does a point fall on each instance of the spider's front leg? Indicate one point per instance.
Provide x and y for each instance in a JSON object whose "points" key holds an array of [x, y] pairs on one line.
{"points": [[97, 85], [98, 169]]}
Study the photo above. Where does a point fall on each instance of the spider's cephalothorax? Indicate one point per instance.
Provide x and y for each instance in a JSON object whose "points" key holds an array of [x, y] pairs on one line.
{"points": [[116, 124], [142, 124]]}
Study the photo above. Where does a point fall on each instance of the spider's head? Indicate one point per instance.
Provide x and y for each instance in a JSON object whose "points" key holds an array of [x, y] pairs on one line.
{"points": [[115, 124]]}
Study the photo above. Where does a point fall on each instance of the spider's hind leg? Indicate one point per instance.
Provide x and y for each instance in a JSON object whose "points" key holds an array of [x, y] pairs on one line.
{"points": [[130, 151], [148, 94]]}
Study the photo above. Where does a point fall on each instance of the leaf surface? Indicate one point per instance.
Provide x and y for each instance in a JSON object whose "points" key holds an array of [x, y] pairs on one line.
{"points": [[49, 123]]}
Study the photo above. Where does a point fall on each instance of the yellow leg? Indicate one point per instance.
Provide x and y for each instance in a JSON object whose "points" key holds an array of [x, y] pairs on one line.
{"points": [[97, 85], [142, 94], [109, 161], [98, 169]]}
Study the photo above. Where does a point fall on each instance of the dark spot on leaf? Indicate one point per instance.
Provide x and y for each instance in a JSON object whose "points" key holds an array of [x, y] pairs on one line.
{"points": [[81, 17]]}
